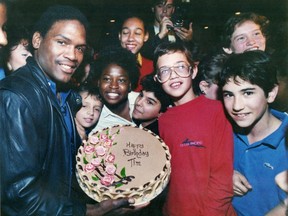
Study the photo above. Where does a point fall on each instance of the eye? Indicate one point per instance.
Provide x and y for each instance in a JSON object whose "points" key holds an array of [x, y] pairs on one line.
{"points": [[241, 39], [227, 95], [60, 42], [125, 32], [169, 6], [164, 71], [106, 79], [248, 93], [150, 102], [81, 49], [122, 80]]}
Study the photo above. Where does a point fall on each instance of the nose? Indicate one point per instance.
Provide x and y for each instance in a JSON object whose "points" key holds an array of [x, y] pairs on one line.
{"points": [[173, 74], [238, 104], [70, 53], [131, 37], [250, 41], [114, 84], [139, 102], [90, 111], [3, 37]]}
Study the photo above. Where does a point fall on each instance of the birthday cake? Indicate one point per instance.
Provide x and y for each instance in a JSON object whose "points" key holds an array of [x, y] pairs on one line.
{"points": [[123, 161]]}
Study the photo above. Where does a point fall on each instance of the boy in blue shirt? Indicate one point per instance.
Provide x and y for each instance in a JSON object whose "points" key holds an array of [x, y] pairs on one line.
{"points": [[249, 85]]}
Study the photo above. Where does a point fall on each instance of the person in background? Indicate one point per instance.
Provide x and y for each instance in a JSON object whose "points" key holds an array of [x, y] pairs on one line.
{"points": [[245, 32], [205, 81], [117, 73], [3, 34], [132, 35], [88, 115], [249, 84], [37, 130], [164, 28], [150, 104], [199, 138], [18, 49]]}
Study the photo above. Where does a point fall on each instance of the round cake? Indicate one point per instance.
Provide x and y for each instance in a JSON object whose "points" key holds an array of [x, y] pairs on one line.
{"points": [[123, 161]]}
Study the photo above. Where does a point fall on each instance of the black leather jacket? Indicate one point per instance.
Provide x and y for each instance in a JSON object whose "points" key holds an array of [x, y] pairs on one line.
{"points": [[36, 154]]}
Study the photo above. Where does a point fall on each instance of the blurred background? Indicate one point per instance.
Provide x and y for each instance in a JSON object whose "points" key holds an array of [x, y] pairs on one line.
{"points": [[208, 16]]}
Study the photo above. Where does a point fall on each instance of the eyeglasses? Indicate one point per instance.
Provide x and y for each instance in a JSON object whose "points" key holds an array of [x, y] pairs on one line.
{"points": [[164, 73]]}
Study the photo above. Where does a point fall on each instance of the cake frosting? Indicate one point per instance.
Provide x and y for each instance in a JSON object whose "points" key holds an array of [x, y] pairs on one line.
{"points": [[123, 161]]}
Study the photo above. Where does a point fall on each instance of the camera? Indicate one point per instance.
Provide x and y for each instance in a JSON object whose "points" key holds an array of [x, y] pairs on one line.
{"points": [[179, 18]]}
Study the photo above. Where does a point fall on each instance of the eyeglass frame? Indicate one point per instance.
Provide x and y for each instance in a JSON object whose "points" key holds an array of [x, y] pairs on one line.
{"points": [[172, 69]]}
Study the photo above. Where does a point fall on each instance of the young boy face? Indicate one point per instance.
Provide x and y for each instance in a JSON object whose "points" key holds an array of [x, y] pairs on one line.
{"points": [[246, 103], [147, 106], [246, 37], [90, 111], [179, 88], [114, 85]]}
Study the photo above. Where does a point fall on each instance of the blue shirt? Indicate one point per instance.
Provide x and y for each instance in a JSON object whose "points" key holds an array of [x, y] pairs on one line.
{"points": [[2, 73], [63, 106], [260, 162]]}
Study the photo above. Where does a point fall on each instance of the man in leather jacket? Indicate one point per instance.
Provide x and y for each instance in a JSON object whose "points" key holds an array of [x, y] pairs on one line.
{"points": [[38, 136]]}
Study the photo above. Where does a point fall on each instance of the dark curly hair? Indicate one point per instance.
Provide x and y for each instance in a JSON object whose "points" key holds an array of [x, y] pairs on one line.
{"points": [[255, 67], [118, 56], [150, 85]]}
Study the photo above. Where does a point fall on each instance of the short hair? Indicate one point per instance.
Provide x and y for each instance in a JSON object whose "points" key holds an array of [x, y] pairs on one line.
{"points": [[168, 48], [59, 13], [91, 89], [150, 85], [237, 20], [208, 70], [255, 67], [118, 56]]}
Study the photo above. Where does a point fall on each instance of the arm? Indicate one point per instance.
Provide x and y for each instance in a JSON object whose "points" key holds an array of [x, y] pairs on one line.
{"points": [[220, 191], [24, 188], [184, 34]]}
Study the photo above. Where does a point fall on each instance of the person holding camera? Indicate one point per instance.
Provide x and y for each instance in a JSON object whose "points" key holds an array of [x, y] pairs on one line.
{"points": [[167, 26]]}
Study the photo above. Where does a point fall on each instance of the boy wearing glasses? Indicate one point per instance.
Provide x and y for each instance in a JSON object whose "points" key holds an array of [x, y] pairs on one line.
{"points": [[199, 138]]}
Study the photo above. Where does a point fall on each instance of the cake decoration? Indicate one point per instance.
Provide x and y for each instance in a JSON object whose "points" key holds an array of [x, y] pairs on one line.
{"points": [[123, 161]]}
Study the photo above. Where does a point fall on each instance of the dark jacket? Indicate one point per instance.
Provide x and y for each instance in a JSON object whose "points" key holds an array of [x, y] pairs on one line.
{"points": [[37, 155]]}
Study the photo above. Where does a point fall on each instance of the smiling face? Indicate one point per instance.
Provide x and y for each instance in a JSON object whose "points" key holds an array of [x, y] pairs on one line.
{"points": [[133, 36], [18, 56], [246, 37], [90, 111], [246, 103], [178, 88], [147, 107], [114, 85], [61, 51]]}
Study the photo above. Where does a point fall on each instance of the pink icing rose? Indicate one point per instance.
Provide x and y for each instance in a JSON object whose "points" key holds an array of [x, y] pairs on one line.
{"points": [[89, 168], [100, 150], [89, 149], [108, 143], [103, 137], [110, 169], [110, 158], [93, 140], [107, 180], [96, 162]]}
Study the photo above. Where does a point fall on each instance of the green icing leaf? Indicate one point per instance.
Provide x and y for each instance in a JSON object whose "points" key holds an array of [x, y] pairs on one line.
{"points": [[118, 185], [85, 160], [123, 172], [95, 178]]}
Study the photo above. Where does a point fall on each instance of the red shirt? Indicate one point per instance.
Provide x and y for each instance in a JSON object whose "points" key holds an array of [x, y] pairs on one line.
{"points": [[201, 144], [145, 69]]}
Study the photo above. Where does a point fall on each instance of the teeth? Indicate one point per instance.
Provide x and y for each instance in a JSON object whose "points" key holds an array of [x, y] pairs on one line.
{"points": [[66, 66], [176, 84], [112, 94]]}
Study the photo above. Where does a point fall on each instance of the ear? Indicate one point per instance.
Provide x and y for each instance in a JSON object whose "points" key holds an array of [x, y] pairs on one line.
{"points": [[204, 86], [36, 40], [152, 9], [227, 50], [119, 36], [146, 37], [272, 94], [9, 66], [194, 71]]}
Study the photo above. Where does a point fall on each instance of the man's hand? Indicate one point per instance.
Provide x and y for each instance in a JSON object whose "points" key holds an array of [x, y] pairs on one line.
{"points": [[240, 184], [113, 206], [184, 34], [165, 25]]}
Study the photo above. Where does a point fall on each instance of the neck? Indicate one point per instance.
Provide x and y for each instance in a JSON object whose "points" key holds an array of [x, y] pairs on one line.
{"points": [[121, 109], [146, 123], [263, 128]]}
